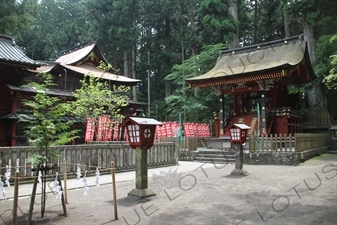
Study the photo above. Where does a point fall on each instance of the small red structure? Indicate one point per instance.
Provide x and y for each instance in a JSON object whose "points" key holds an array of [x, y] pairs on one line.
{"points": [[141, 131], [238, 133], [258, 78]]}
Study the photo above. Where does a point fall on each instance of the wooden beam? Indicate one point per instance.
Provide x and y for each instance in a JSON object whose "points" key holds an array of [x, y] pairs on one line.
{"points": [[241, 90]]}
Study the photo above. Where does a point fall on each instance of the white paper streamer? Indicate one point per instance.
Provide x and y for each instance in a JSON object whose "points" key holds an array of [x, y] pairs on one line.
{"points": [[57, 188], [97, 173], [78, 171], [7, 176], [39, 177], [2, 190], [85, 185]]}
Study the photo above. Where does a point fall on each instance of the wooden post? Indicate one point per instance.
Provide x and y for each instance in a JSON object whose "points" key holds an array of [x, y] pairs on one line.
{"points": [[114, 188], [16, 196], [32, 201], [62, 198], [65, 181]]}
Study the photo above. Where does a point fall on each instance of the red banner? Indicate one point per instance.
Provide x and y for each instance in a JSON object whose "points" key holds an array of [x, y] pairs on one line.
{"points": [[104, 129], [90, 130]]}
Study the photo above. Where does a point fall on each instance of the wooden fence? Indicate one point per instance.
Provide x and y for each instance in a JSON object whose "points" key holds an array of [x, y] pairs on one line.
{"points": [[187, 143], [88, 157], [299, 142], [308, 141]]}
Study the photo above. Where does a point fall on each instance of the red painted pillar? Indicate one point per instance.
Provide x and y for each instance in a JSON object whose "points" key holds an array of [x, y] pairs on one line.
{"points": [[217, 127]]}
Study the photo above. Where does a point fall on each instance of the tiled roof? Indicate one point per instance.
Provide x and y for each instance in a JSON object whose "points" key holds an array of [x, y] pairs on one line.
{"points": [[258, 62], [12, 53], [51, 91]]}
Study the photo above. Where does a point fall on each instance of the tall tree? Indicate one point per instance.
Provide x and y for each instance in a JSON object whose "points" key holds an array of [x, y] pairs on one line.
{"points": [[216, 24], [17, 17]]}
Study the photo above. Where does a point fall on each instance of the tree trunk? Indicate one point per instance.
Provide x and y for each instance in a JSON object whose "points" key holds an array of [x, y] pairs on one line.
{"points": [[167, 50], [126, 64], [133, 52], [233, 10], [133, 72], [286, 20], [310, 38]]}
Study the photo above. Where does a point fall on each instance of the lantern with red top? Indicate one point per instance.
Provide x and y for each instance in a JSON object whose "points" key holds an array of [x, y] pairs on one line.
{"points": [[141, 131], [238, 132]]}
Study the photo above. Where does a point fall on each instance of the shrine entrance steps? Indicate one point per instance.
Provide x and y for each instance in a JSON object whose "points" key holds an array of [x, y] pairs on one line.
{"points": [[215, 156]]}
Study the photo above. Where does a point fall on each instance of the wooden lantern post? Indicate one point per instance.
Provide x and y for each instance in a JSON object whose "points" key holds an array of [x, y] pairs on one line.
{"points": [[238, 134], [141, 133]]}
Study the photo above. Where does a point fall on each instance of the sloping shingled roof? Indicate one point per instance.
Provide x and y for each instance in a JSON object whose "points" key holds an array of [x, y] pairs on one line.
{"points": [[10, 53], [76, 55], [71, 60], [236, 65], [93, 71]]}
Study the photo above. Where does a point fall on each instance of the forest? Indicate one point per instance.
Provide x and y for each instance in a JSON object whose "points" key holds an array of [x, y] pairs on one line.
{"points": [[163, 42]]}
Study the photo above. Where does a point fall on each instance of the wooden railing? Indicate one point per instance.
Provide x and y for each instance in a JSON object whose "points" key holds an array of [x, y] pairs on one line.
{"points": [[299, 142], [187, 143], [317, 116], [88, 157], [272, 143], [310, 141]]}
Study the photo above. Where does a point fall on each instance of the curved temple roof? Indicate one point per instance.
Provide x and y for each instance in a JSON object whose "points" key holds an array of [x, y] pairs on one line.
{"points": [[74, 60], [93, 71], [258, 62]]}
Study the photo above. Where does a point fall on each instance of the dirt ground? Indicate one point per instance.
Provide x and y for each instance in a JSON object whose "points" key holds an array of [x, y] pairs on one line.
{"points": [[269, 195]]}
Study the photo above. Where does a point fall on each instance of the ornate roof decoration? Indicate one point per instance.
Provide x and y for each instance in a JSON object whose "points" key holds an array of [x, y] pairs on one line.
{"points": [[278, 59]]}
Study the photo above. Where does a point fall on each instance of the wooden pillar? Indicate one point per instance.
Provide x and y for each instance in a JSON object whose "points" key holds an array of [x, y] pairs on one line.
{"points": [[14, 109], [263, 112], [217, 127], [221, 114]]}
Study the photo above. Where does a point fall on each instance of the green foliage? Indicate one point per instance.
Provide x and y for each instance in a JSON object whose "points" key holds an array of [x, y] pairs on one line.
{"points": [[331, 79], [17, 17], [166, 30], [319, 15], [96, 97], [216, 20], [195, 101], [47, 125]]}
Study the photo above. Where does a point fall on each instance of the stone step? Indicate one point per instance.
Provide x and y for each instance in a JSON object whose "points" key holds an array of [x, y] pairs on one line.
{"points": [[215, 160], [216, 155], [216, 152]]}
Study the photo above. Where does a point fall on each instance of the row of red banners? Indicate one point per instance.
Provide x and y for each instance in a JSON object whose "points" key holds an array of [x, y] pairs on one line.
{"points": [[171, 129], [107, 130]]}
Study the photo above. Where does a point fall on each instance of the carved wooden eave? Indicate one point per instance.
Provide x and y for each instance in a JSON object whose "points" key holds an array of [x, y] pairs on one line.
{"points": [[287, 58]]}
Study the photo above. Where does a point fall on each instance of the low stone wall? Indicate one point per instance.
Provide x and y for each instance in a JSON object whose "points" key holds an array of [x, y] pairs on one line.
{"points": [[305, 155], [281, 158]]}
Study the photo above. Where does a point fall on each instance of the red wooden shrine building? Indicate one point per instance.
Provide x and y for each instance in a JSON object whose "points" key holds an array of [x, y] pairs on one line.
{"points": [[17, 69], [260, 76]]}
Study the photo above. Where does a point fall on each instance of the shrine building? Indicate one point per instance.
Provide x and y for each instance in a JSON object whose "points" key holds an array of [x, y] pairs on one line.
{"points": [[259, 78], [16, 69]]}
